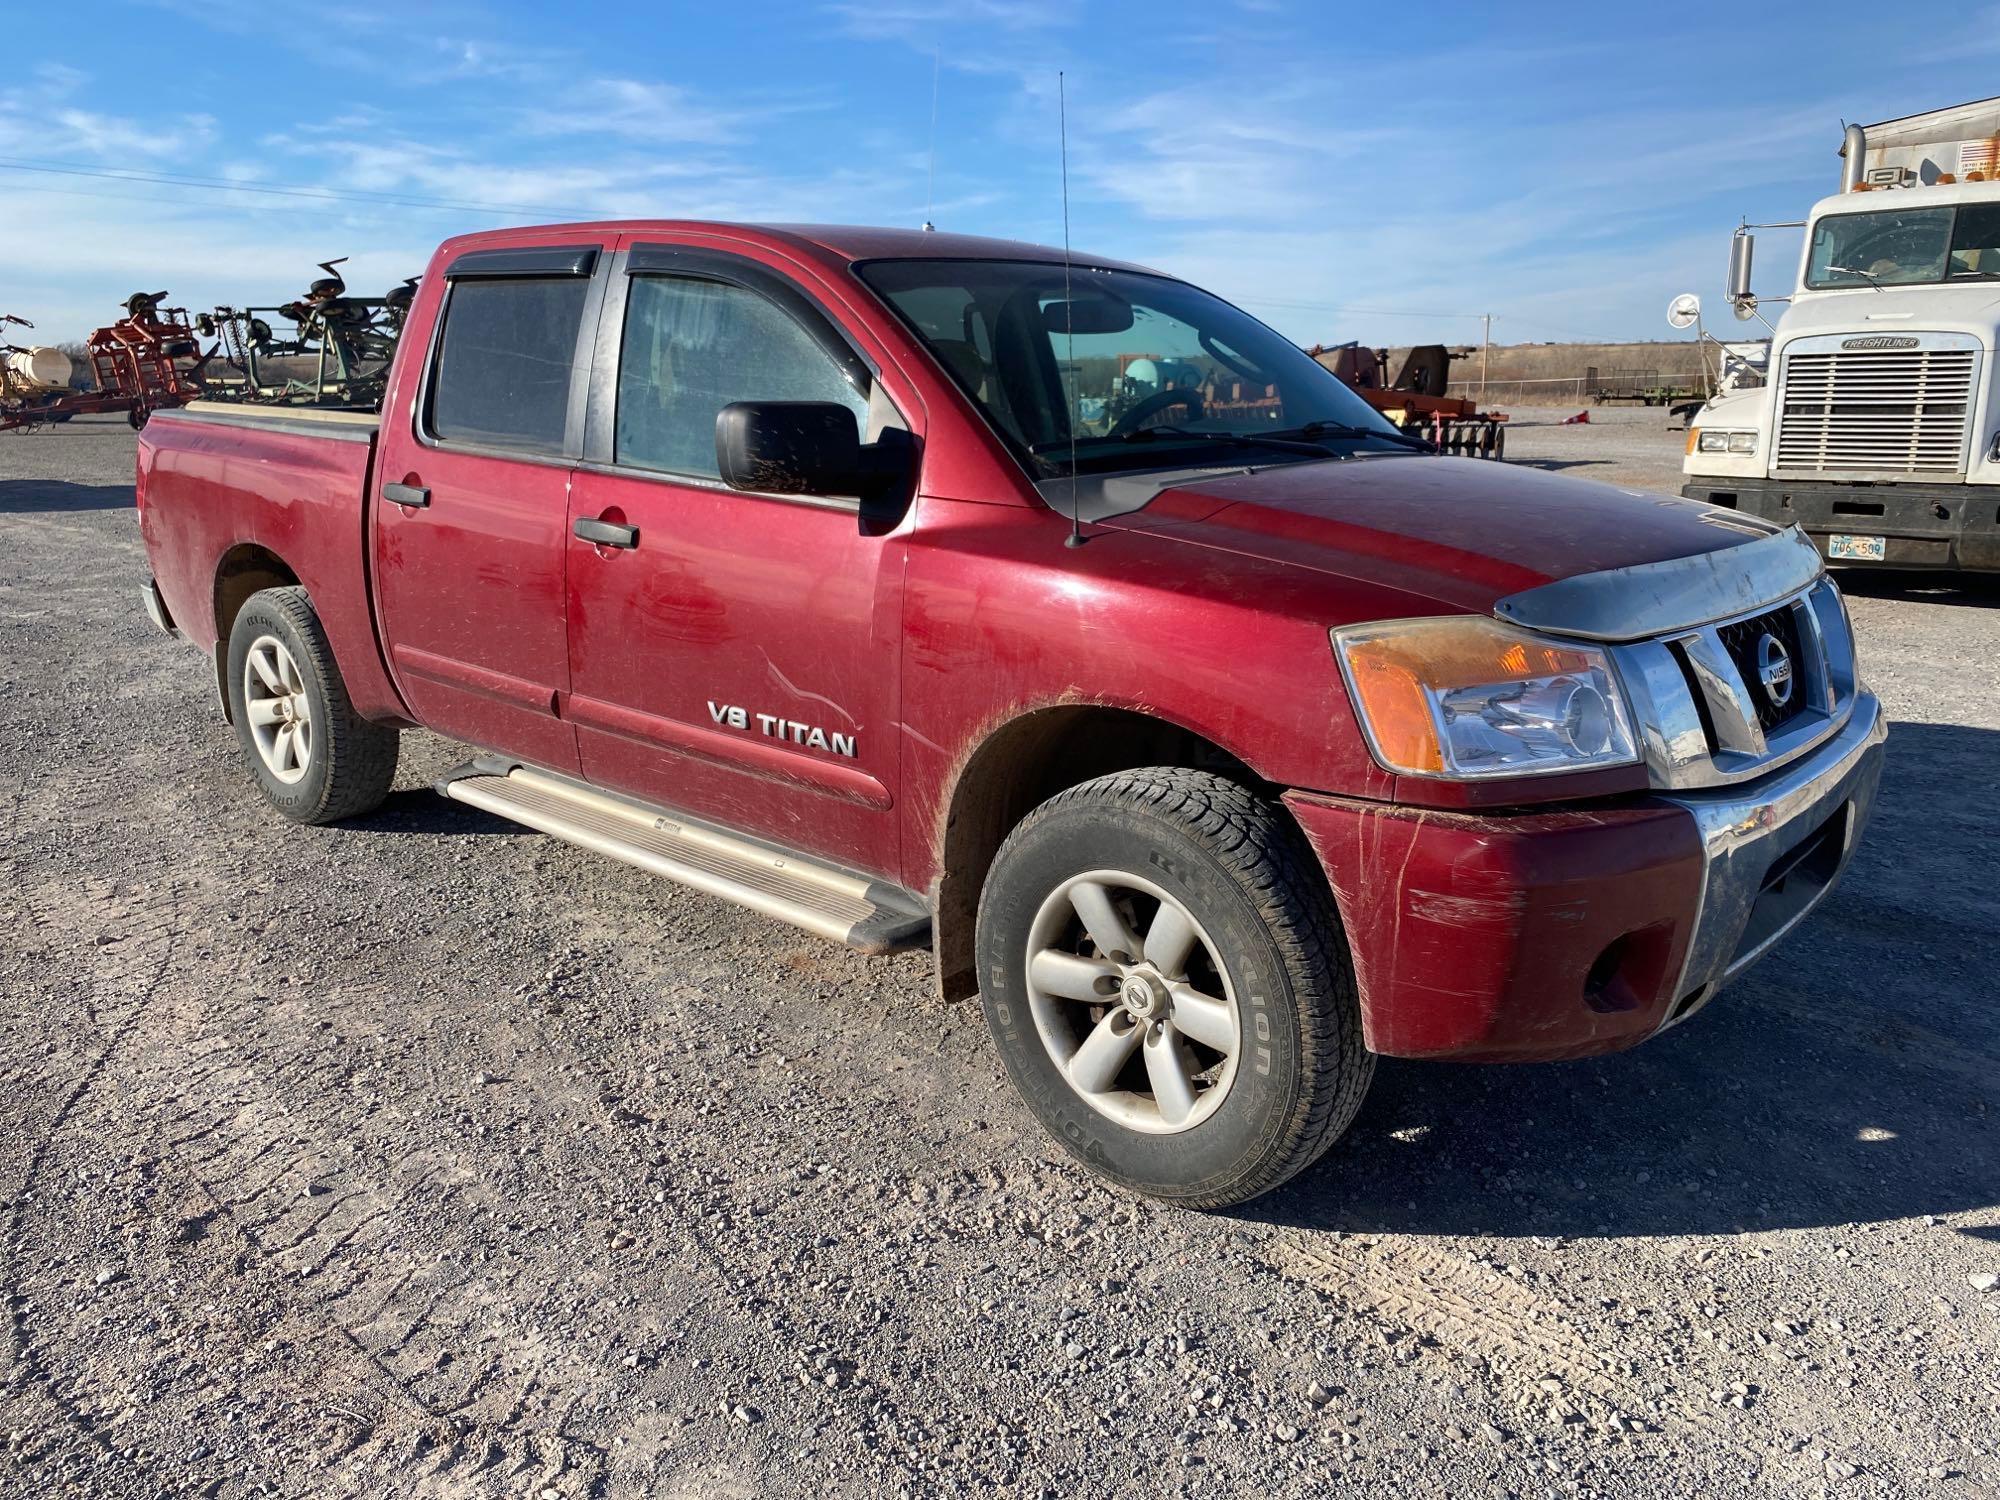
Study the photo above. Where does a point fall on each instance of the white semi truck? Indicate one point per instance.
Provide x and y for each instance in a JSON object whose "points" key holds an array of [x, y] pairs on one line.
{"points": [[1878, 432]]}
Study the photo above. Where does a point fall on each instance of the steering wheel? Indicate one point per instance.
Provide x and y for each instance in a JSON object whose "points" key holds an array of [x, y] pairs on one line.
{"points": [[1153, 405]]}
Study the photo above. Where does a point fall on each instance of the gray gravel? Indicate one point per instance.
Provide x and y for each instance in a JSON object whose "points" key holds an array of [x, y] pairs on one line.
{"points": [[424, 1157]]}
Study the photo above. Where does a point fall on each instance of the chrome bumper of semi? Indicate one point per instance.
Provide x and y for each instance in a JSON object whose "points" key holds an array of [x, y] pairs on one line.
{"points": [[1774, 848]]}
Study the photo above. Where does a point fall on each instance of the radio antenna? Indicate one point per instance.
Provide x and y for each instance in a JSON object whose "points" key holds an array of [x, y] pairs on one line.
{"points": [[1076, 537], [930, 184]]}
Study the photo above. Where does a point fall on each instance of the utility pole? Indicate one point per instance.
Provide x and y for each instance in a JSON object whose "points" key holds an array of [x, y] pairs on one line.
{"points": [[1485, 349]]}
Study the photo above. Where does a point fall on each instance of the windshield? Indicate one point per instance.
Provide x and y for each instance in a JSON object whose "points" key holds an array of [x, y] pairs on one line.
{"points": [[1906, 247], [1141, 371]]}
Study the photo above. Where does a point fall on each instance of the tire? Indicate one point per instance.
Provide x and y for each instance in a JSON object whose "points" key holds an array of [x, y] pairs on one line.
{"points": [[284, 685], [1214, 1126]]}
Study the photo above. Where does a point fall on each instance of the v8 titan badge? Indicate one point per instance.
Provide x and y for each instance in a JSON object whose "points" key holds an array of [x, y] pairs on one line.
{"points": [[780, 728]]}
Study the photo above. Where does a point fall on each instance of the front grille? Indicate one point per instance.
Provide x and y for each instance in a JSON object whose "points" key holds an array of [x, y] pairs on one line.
{"points": [[1699, 698], [1900, 411], [1744, 641]]}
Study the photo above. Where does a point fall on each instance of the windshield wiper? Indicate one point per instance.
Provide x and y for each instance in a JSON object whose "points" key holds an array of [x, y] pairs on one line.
{"points": [[1349, 430], [1867, 276], [1233, 439]]}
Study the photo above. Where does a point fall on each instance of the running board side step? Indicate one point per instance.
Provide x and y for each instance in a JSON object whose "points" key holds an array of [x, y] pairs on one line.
{"points": [[868, 915]]}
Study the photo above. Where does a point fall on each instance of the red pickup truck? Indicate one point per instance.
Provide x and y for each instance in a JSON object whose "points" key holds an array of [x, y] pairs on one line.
{"points": [[909, 586]]}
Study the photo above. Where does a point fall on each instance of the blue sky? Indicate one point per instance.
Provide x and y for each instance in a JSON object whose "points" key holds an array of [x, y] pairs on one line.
{"points": [[1335, 168]]}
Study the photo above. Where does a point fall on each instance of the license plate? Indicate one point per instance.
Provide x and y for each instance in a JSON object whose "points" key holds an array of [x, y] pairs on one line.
{"points": [[1855, 548]]}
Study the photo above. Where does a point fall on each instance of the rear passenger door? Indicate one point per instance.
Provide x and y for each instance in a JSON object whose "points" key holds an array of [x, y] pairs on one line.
{"points": [[470, 507], [738, 658]]}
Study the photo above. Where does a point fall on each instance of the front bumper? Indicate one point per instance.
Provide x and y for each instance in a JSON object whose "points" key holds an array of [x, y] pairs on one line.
{"points": [[1563, 933], [1921, 525]]}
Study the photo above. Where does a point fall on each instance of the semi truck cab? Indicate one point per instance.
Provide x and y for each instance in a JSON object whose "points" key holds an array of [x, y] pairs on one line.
{"points": [[1878, 433]]}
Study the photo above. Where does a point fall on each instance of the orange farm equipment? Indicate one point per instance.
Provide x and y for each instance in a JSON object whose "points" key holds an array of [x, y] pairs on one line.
{"points": [[1416, 401], [148, 360]]}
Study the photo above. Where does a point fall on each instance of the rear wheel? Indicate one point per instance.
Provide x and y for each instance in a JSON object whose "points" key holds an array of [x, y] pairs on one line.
{"points": [[313, 757], [1168, 987]]}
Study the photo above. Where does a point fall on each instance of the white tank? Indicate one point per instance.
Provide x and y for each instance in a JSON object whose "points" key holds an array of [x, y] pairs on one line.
{"points": [[42, 366]]}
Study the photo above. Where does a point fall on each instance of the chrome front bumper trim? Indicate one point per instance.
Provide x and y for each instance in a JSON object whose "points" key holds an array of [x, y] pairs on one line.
{"points": [[1748, 831]]}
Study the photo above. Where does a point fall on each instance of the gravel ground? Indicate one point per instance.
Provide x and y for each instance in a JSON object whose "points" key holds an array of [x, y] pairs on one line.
{"points": [[426, 1157]]}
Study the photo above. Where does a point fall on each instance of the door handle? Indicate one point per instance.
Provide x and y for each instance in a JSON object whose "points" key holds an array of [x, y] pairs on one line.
{"points": [[406, 494], [606, 533]]}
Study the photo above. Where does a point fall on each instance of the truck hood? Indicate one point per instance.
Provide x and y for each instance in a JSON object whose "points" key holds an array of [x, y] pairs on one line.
{"points": [[1973, 307], [1462, 533]]}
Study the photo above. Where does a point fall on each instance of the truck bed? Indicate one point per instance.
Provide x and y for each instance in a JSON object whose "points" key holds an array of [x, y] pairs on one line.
{"points": [[319, 421], [234, 498]]}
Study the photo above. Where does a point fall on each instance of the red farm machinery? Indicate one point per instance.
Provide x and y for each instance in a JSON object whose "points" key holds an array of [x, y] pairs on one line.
{"points": [[147, 360], [1415, 400]]}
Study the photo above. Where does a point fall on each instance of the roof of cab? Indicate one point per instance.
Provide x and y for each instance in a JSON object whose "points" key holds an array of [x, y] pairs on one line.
{"points": [[843, 242]]}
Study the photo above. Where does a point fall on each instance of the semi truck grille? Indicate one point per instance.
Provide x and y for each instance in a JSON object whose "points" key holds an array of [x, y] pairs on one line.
{"points": [[1901, 411]]}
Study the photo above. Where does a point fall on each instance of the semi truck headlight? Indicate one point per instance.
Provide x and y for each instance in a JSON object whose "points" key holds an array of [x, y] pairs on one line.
{"points": [[1466, 698], [1712, 441]]}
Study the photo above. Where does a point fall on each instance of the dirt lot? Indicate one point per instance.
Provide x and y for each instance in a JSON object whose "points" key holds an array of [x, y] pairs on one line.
{"points": [[425, 1157]]}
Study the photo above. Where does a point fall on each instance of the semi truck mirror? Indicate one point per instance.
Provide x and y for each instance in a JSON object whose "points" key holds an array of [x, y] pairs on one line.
{"points": [[1742, 248]]}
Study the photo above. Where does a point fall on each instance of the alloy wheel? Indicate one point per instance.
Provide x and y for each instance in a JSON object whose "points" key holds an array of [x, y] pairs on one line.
{"points": [[1131, 1000], [279, 711]]}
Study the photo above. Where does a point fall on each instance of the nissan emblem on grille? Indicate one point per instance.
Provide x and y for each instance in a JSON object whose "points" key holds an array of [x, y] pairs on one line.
{"points": [[1774, 670]]}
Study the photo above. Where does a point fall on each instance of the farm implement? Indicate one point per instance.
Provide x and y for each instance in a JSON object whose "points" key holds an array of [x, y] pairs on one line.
{"points": [[335, 353], [1416, 401]]}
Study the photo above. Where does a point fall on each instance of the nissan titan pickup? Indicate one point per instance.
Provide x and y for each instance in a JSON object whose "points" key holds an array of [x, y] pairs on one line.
{"points": [[917, 588]]}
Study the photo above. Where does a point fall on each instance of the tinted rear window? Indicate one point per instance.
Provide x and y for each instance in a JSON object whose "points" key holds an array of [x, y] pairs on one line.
{"points": [[503, 365]]}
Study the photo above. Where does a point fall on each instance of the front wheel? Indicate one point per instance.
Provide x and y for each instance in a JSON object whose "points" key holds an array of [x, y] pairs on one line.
{"points": [[313, 757], [1169, 990]]}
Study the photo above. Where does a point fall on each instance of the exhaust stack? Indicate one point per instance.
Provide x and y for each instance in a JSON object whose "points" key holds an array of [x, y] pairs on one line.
{"points": [[1853, 152]]}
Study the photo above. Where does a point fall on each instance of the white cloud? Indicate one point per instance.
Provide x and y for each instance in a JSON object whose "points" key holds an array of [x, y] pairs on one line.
{"points": [[82, 132], [921, 21], [657, 113], [71, 260]]}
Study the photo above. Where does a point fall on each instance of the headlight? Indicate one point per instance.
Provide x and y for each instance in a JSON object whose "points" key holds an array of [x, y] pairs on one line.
{"points": [[1465, 697], [1712, 441]]}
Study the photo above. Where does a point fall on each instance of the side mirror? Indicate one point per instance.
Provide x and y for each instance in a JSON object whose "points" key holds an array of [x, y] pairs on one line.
{"points": [[806, 448], [788, 447], [1742, 248]]}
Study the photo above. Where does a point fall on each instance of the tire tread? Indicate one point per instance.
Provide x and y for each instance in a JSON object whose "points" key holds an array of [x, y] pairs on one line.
{"points": [[361, 754], [1270, 859]]}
